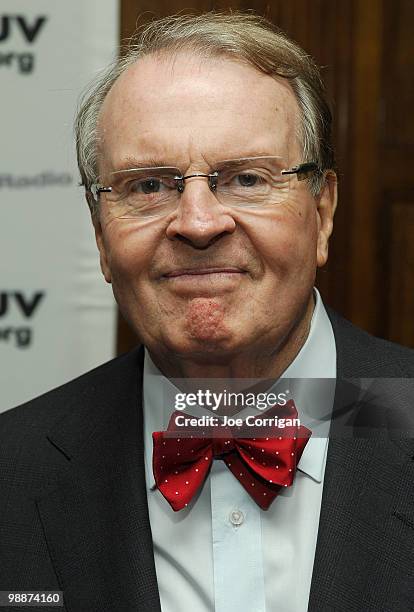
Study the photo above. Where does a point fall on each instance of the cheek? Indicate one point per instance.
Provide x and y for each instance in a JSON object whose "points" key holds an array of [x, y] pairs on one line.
{"points": [[130, 254], [287, 241], [129, 250]]}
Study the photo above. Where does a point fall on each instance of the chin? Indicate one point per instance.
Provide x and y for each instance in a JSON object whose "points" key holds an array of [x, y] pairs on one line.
{"points": [[206, 347], [205, 343]]}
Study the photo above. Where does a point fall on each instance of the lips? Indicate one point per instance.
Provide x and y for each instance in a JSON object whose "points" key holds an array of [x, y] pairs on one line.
{"points": [[202, 271]]}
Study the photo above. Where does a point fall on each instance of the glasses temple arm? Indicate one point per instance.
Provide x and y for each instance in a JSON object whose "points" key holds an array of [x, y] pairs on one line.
{"points": [[302, 170]]}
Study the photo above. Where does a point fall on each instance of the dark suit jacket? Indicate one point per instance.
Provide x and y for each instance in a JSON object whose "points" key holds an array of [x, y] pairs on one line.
{"points": [[73, 507]]}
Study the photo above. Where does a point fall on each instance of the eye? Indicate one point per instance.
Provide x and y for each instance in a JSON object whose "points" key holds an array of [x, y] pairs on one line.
{"points": [[247, 179], [150, 185]]}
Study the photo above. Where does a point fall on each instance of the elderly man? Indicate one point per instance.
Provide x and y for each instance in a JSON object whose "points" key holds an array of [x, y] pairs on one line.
{"points": [[206, 157]]}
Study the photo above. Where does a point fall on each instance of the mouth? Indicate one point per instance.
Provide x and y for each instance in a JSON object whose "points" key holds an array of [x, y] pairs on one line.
{"points": [[202, 271]]}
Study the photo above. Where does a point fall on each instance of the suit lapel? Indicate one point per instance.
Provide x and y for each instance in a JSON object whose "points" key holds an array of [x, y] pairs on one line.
{"points": [[95, 518], [364, 552], [365, 542]]}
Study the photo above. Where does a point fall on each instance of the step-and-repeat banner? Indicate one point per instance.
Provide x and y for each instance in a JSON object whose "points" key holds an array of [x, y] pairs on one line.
{"points": [[57, 315]]}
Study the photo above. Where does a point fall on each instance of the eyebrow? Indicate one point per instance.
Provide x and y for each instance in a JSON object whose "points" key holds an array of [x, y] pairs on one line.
{"points": [[131, 162]]}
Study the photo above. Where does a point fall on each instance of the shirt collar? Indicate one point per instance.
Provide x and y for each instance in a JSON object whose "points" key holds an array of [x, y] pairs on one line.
{"points": [[316, 359]]}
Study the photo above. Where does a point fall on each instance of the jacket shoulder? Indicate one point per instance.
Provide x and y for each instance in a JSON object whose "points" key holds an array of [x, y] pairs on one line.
{"points": [[24, 429], [364, 355]]}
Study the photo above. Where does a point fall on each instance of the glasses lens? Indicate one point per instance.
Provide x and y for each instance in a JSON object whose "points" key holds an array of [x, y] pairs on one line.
{"points": [[143, 192], [253, 182]]}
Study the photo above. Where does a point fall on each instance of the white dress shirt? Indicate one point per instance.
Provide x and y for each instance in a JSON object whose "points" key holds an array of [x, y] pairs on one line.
{"points": [[223, 553]]}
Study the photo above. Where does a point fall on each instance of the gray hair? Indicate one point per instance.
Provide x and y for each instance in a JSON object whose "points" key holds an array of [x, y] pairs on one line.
{"points": [[244, 37]]}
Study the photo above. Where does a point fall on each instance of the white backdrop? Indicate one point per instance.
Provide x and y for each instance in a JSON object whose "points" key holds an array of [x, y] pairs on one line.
{"points": [[57, 315]]}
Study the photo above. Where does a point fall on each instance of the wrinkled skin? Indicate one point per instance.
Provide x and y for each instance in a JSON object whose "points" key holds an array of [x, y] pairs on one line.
{"points": [[250, 315]]}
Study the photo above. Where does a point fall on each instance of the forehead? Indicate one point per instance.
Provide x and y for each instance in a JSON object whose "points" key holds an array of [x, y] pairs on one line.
{"points": [[187, 109]]}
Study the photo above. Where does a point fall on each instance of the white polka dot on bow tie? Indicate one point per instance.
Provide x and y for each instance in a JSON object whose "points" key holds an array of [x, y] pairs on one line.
{"points": [[186, 482], [176, 492], [252, 484]]}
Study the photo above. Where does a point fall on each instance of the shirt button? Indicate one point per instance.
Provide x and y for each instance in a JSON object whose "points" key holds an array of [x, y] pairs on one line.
{"points": [[236, 517]]}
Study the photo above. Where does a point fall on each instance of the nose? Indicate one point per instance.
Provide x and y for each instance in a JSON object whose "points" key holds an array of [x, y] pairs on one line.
{"points": [[200, 219]]}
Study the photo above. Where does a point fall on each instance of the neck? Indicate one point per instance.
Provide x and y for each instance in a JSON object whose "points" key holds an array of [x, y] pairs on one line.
{"points": [[267, 360]]}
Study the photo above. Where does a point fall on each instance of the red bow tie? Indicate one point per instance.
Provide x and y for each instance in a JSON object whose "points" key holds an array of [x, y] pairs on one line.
{"points": [[263, 465]]}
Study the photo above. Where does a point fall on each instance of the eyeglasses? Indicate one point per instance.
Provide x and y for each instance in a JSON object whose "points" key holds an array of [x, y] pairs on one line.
{"points": [[250, 182]]}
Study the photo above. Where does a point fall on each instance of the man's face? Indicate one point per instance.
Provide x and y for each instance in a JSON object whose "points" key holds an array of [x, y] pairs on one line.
{"points": [[207, 281]]}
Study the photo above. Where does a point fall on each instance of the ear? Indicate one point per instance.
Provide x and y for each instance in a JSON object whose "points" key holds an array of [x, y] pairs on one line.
{"points": [[100, 241], [326, 206]]}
